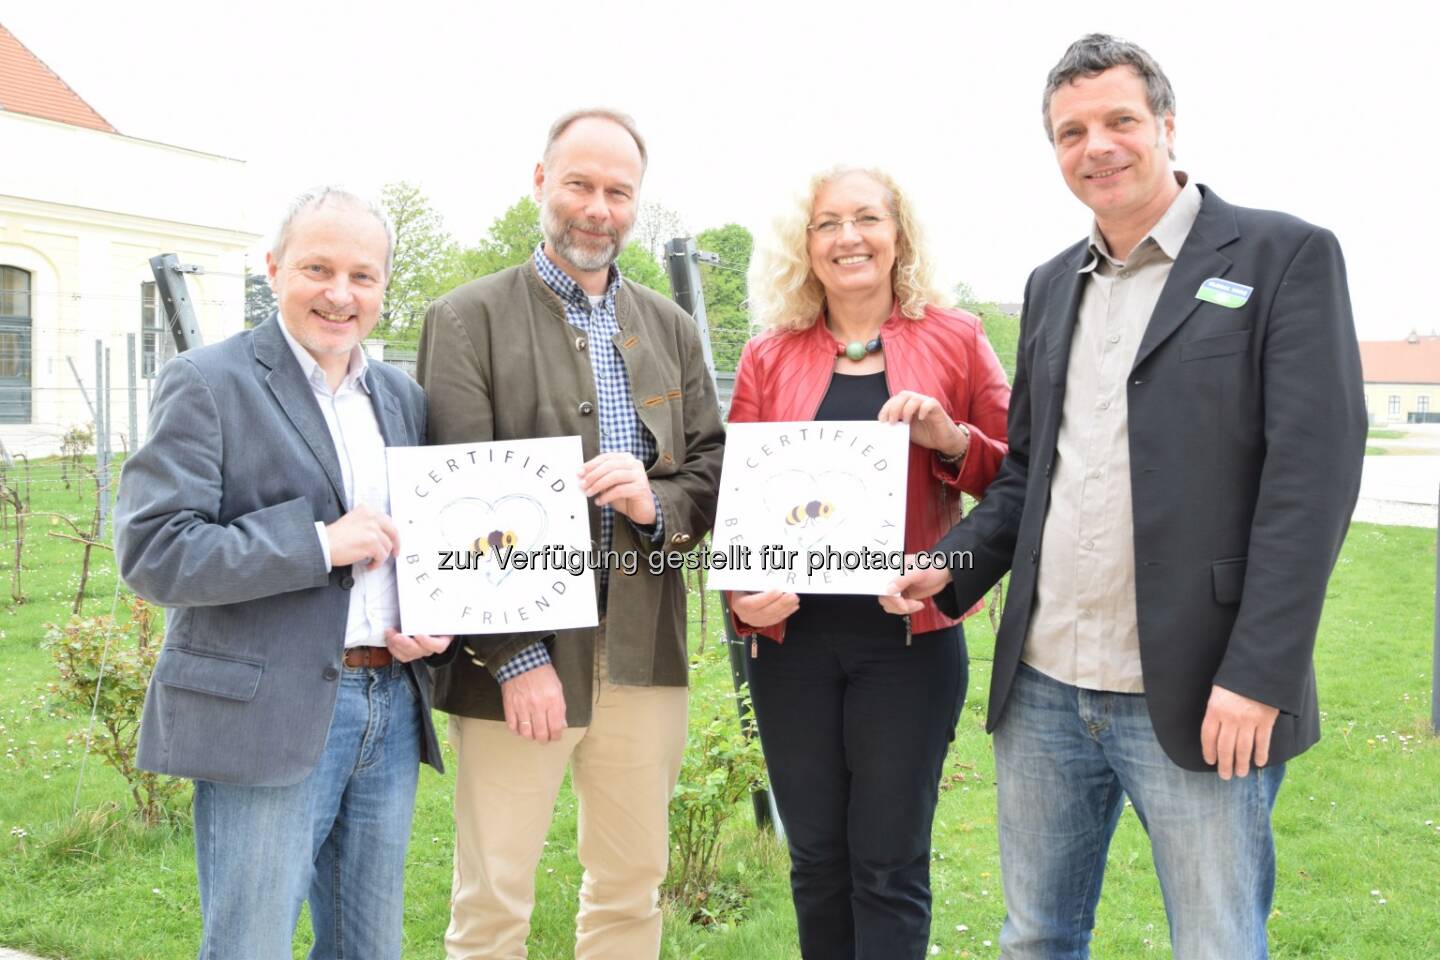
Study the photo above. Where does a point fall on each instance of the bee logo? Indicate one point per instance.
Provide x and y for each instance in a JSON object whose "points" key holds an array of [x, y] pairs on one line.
{"points": [[806, 514], [494, 540]]}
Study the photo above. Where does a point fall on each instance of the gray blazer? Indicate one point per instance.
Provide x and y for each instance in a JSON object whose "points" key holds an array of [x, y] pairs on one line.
{"points": [[216, 520]]}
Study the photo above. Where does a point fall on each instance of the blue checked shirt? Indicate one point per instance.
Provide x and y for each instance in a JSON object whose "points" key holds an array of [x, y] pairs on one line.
{"points": [[620, 429]]}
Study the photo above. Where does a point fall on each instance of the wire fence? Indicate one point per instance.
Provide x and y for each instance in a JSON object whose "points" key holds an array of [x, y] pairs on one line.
{"points": [[41, 403]]}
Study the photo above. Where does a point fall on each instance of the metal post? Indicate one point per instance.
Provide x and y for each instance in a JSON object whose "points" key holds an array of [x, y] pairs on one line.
{"points": [[1435, 667], [170, 288], [134, 394], [681, 262], [102, 471], [84, 394], [109, 421], [763, 801]]}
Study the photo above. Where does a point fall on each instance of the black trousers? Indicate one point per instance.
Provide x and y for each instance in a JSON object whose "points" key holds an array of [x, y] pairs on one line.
{"points": [[855, 731]]}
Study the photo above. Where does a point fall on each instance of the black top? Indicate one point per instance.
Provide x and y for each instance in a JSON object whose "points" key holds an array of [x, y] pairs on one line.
{"points": [[850, 397]]}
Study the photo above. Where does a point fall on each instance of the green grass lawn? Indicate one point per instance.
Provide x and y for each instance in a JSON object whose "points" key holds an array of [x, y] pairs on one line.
{"points": [[1385, 434], [1358, 820]]}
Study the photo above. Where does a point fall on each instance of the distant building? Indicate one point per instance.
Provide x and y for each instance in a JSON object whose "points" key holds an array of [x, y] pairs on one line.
{"points": [[82, 210], [1402, 379]]}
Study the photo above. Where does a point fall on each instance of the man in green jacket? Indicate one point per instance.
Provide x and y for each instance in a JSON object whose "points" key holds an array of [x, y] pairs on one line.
{"points": [[558, 346]]}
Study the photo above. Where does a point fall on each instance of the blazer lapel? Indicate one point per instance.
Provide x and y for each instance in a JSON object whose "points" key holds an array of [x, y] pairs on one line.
{"points": [[1064, 310], [296, 398], [1200, 259], [387, 412]]}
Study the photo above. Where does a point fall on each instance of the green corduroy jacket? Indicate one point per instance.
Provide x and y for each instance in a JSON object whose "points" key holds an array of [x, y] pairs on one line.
{"points": [[499, 361]]}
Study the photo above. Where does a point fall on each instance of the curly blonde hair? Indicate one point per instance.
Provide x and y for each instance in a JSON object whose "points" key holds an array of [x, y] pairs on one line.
{"points": [[785, 293]]}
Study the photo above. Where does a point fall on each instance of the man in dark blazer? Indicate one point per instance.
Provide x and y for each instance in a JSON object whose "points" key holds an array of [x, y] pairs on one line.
{"points": [[1186, 434], [257, 512]]}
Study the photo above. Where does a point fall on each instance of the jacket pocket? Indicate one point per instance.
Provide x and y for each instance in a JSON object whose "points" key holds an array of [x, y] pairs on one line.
{"points": [[233, 678], [1218, 345], [1228, 578]]}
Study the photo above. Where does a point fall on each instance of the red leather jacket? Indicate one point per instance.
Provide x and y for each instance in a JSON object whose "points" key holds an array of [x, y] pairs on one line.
{"points": [[945, 355]]}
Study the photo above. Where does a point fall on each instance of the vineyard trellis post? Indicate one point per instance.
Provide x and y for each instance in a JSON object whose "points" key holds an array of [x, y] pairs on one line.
{"points": [[682, 263], [101, 413], [134, 436]]}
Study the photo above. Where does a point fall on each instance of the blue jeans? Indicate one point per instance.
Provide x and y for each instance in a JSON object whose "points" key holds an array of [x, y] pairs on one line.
{"points": [[855, 731], [1066, 759], [338, 836]]}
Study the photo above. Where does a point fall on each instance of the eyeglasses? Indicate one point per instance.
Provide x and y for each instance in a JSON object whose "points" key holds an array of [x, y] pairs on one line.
{"points": [[863, 223]]}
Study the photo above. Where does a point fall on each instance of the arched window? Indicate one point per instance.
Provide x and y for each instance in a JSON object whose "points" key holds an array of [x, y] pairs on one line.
{"points": [[15, 322]]}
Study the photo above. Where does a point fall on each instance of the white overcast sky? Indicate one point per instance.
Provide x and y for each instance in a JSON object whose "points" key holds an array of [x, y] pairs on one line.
{"points": [[1319, 109]]}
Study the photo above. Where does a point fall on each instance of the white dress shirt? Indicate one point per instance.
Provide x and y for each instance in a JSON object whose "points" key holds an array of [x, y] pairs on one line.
{"points": [[374, 599]]}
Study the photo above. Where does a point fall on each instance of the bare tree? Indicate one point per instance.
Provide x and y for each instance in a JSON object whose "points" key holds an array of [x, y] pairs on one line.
{"points": [[656, 224]]}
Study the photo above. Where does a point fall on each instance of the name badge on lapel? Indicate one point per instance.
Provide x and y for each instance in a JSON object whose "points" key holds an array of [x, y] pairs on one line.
{"points": [[1224, 293]]}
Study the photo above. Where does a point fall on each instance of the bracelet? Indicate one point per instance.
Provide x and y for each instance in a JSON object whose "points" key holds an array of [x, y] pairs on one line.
{"points": [[957, 457]]}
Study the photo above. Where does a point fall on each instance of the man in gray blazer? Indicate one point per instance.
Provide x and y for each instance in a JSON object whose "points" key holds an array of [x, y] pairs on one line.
{"points": [[257, 511]]}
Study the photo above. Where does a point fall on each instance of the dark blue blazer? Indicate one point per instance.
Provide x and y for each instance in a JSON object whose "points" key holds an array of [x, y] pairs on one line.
{"points": [[1247, 432]]}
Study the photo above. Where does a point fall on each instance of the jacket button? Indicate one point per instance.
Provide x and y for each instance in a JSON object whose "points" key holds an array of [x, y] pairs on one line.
{"points": [[680, 539], [586, 408], [346, 582], [1034, 556], [329, 673], [579, 343]]}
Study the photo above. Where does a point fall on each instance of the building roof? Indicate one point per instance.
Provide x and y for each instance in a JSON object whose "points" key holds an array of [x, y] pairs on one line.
{"points": [[1415, 360], [28, 86]]}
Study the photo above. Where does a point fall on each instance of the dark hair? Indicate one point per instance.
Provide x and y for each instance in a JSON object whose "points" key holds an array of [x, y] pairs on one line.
{"points": [[1095, 53]]}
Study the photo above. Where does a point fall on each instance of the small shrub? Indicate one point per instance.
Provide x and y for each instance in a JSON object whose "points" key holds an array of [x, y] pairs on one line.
{"points": [[78, 649], [73, 446], [723, 765]]}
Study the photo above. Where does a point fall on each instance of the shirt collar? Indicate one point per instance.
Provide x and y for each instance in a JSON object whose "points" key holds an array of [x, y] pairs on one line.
{"points": [[357, 373], [565, 286], [1169, 232]]}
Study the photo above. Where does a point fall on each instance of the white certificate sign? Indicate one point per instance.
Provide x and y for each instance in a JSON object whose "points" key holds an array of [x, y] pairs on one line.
{"points": [[486, 534], [816, 507]]}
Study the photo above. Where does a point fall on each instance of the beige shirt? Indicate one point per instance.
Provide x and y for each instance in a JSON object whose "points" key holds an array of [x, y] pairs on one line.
{"points": [[360, 448], [1084, 631]]}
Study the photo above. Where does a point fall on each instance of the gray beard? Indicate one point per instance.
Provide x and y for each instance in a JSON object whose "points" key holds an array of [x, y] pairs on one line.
{"points": [[587, 259]]}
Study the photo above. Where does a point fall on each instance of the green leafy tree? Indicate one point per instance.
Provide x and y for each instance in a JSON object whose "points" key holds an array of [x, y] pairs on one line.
{"points": [[512, 238], [420, 246], [638, 266], [259, 299], [1001, 328], [725, 291]]}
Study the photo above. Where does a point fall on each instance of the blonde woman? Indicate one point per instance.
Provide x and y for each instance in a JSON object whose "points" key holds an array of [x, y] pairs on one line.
{"points": [[855, 712]]}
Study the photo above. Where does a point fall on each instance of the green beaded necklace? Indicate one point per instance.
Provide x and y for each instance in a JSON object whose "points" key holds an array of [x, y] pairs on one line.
{"points": [[856, 350]]}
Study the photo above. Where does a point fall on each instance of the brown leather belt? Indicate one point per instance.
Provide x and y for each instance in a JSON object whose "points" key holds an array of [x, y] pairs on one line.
{"points": [[368, 657]]}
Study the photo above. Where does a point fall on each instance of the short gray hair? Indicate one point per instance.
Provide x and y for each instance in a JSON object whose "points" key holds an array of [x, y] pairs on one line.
{"points": [[317, 197], [1095, 53], [558, 128]]}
